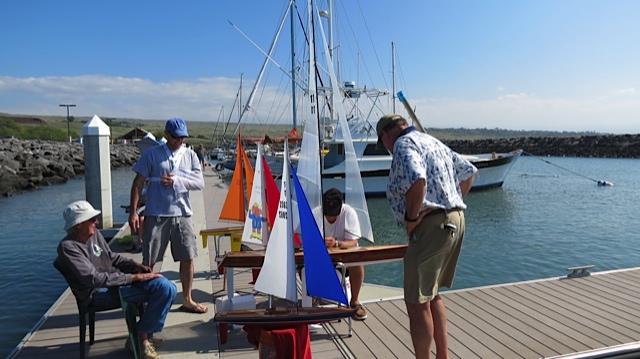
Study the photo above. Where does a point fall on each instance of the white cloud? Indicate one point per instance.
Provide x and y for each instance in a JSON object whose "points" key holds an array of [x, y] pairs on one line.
{"points": [[524, 112], [199, 99], [512, 96], [627, 91]]}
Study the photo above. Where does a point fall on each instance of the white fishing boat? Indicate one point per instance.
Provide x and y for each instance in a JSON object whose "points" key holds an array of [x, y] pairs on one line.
{"points": [[375, 163], [363, 106]]}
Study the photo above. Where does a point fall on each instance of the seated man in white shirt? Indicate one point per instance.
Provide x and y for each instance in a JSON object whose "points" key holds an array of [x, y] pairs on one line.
{"points": [[342, 230]]}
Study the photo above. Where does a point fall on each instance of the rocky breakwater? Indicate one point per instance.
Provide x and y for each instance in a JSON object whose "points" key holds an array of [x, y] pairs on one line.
{"points": [[606, 146], [26, 165]]}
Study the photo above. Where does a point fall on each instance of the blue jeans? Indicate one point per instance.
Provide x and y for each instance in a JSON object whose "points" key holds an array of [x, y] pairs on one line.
{"points": [[158, 293]]}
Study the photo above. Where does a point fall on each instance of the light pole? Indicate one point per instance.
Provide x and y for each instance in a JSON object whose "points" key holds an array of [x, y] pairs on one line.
{"points": [[68, 130]]}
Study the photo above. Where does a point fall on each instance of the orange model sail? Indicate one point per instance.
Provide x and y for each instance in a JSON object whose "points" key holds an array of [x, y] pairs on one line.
{"points": [[248, 172], [234, 205]]}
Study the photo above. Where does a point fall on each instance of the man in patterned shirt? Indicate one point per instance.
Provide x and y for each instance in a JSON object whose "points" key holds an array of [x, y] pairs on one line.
{"points": [[427, 181]]}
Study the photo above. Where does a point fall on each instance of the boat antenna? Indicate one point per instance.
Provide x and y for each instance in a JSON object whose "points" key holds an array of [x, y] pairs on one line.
{"points": [[600, 183]]}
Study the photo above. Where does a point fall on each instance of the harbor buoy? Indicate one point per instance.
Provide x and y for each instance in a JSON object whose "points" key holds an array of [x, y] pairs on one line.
{"points": [[603, 183]]}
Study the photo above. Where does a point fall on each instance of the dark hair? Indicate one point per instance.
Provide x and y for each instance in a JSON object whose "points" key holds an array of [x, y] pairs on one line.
{"points": [[332, 202]]}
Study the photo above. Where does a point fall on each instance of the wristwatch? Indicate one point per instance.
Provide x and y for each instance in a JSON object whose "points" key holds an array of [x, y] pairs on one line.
{"points": [[407, 219]]}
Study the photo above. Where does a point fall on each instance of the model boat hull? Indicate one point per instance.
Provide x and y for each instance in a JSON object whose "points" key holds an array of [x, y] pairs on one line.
{"points": [[283, 316]]}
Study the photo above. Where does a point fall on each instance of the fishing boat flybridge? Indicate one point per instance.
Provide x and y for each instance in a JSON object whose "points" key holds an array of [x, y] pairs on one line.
{"points": [[362, 107]]}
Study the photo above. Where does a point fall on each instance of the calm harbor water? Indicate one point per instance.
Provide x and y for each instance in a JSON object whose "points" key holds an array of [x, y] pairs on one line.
{"points": [[542, 221], [32, 226]]}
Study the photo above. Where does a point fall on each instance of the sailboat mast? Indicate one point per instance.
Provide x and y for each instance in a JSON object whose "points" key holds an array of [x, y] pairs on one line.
{"points": [[393, 74], [293, 66]]}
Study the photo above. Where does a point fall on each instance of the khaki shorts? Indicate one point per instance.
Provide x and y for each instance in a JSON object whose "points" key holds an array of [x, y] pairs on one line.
{"points": [[159, 231], [430, 261]]}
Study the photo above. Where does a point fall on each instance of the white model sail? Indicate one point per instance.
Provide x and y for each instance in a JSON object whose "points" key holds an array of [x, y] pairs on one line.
{"points": [[255, 225], [354, 190], [309, 166], [278, 274]]}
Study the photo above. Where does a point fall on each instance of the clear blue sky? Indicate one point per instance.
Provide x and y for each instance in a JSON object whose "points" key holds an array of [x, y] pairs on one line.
{"points": [[537, 64]]}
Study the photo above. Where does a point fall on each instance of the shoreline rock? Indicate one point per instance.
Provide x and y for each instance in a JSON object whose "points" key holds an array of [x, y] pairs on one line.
{"points": [[601, 146], [30, 164]]}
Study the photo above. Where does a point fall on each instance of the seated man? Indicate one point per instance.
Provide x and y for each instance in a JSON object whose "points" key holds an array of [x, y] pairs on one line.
{"points": [[94, 270], [342, 230]]}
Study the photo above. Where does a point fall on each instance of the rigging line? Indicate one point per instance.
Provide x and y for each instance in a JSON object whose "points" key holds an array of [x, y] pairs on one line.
{"points": [[357, 46], [284, 110], [217, 122], [372, 43], [306, 38], [399, 65], [231, 114], [268, 57], [264, 64], [599, 182], [263, 89], [276, 102]]}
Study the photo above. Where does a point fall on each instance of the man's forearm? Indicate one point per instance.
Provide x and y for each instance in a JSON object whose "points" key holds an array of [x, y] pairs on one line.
{"points": [[465, 186], [414, 198], [136, 186]]}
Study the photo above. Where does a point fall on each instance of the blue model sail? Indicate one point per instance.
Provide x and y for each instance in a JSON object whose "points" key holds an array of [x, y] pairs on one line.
{"points": [[321, 277]]}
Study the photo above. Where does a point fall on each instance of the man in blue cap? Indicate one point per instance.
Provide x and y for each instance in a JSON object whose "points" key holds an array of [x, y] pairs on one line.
{"points": [[170, 170]]}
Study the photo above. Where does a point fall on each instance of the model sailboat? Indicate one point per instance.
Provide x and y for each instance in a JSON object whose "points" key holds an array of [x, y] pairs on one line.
{"points": [[234, 204], [278, 272], [258, 214], [300, 194]]}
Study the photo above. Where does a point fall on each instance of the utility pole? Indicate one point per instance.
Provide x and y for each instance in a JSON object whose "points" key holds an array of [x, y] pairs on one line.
{"points": [[68, 119]]}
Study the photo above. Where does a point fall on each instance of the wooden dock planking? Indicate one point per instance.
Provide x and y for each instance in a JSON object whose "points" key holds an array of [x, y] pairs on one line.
{"points": [[604, 312], [520, 320], [586, 315], [484, 333], [532, 337], [593, 338], [532, 315]]}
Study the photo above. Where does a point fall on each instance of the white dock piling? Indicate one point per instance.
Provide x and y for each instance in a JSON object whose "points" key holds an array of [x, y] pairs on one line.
{"points": [[97, 162]]}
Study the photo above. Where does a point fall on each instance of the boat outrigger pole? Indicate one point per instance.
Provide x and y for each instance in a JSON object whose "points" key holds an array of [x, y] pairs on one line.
{"points": [[412, 113]]}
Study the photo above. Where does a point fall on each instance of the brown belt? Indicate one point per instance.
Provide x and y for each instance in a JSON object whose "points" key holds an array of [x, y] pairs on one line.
{"points": [[431, 211]]}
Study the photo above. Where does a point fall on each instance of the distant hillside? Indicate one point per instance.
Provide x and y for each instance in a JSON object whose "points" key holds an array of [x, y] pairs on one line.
{"points": [[498, 133], [55, 128]]}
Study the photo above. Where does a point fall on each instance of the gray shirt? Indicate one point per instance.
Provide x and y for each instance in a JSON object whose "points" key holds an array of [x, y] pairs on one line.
{"points": [[92, 265]]}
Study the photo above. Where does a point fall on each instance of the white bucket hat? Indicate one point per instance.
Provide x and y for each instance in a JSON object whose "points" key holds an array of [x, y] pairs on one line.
{"points": [[78, 212]]}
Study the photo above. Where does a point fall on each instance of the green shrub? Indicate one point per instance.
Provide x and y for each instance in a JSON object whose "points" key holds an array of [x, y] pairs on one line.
{"points": [[9, 128]]}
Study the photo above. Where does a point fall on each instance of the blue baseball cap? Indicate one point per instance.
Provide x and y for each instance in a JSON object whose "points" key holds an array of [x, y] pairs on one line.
{"points": [[176, 127]]}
